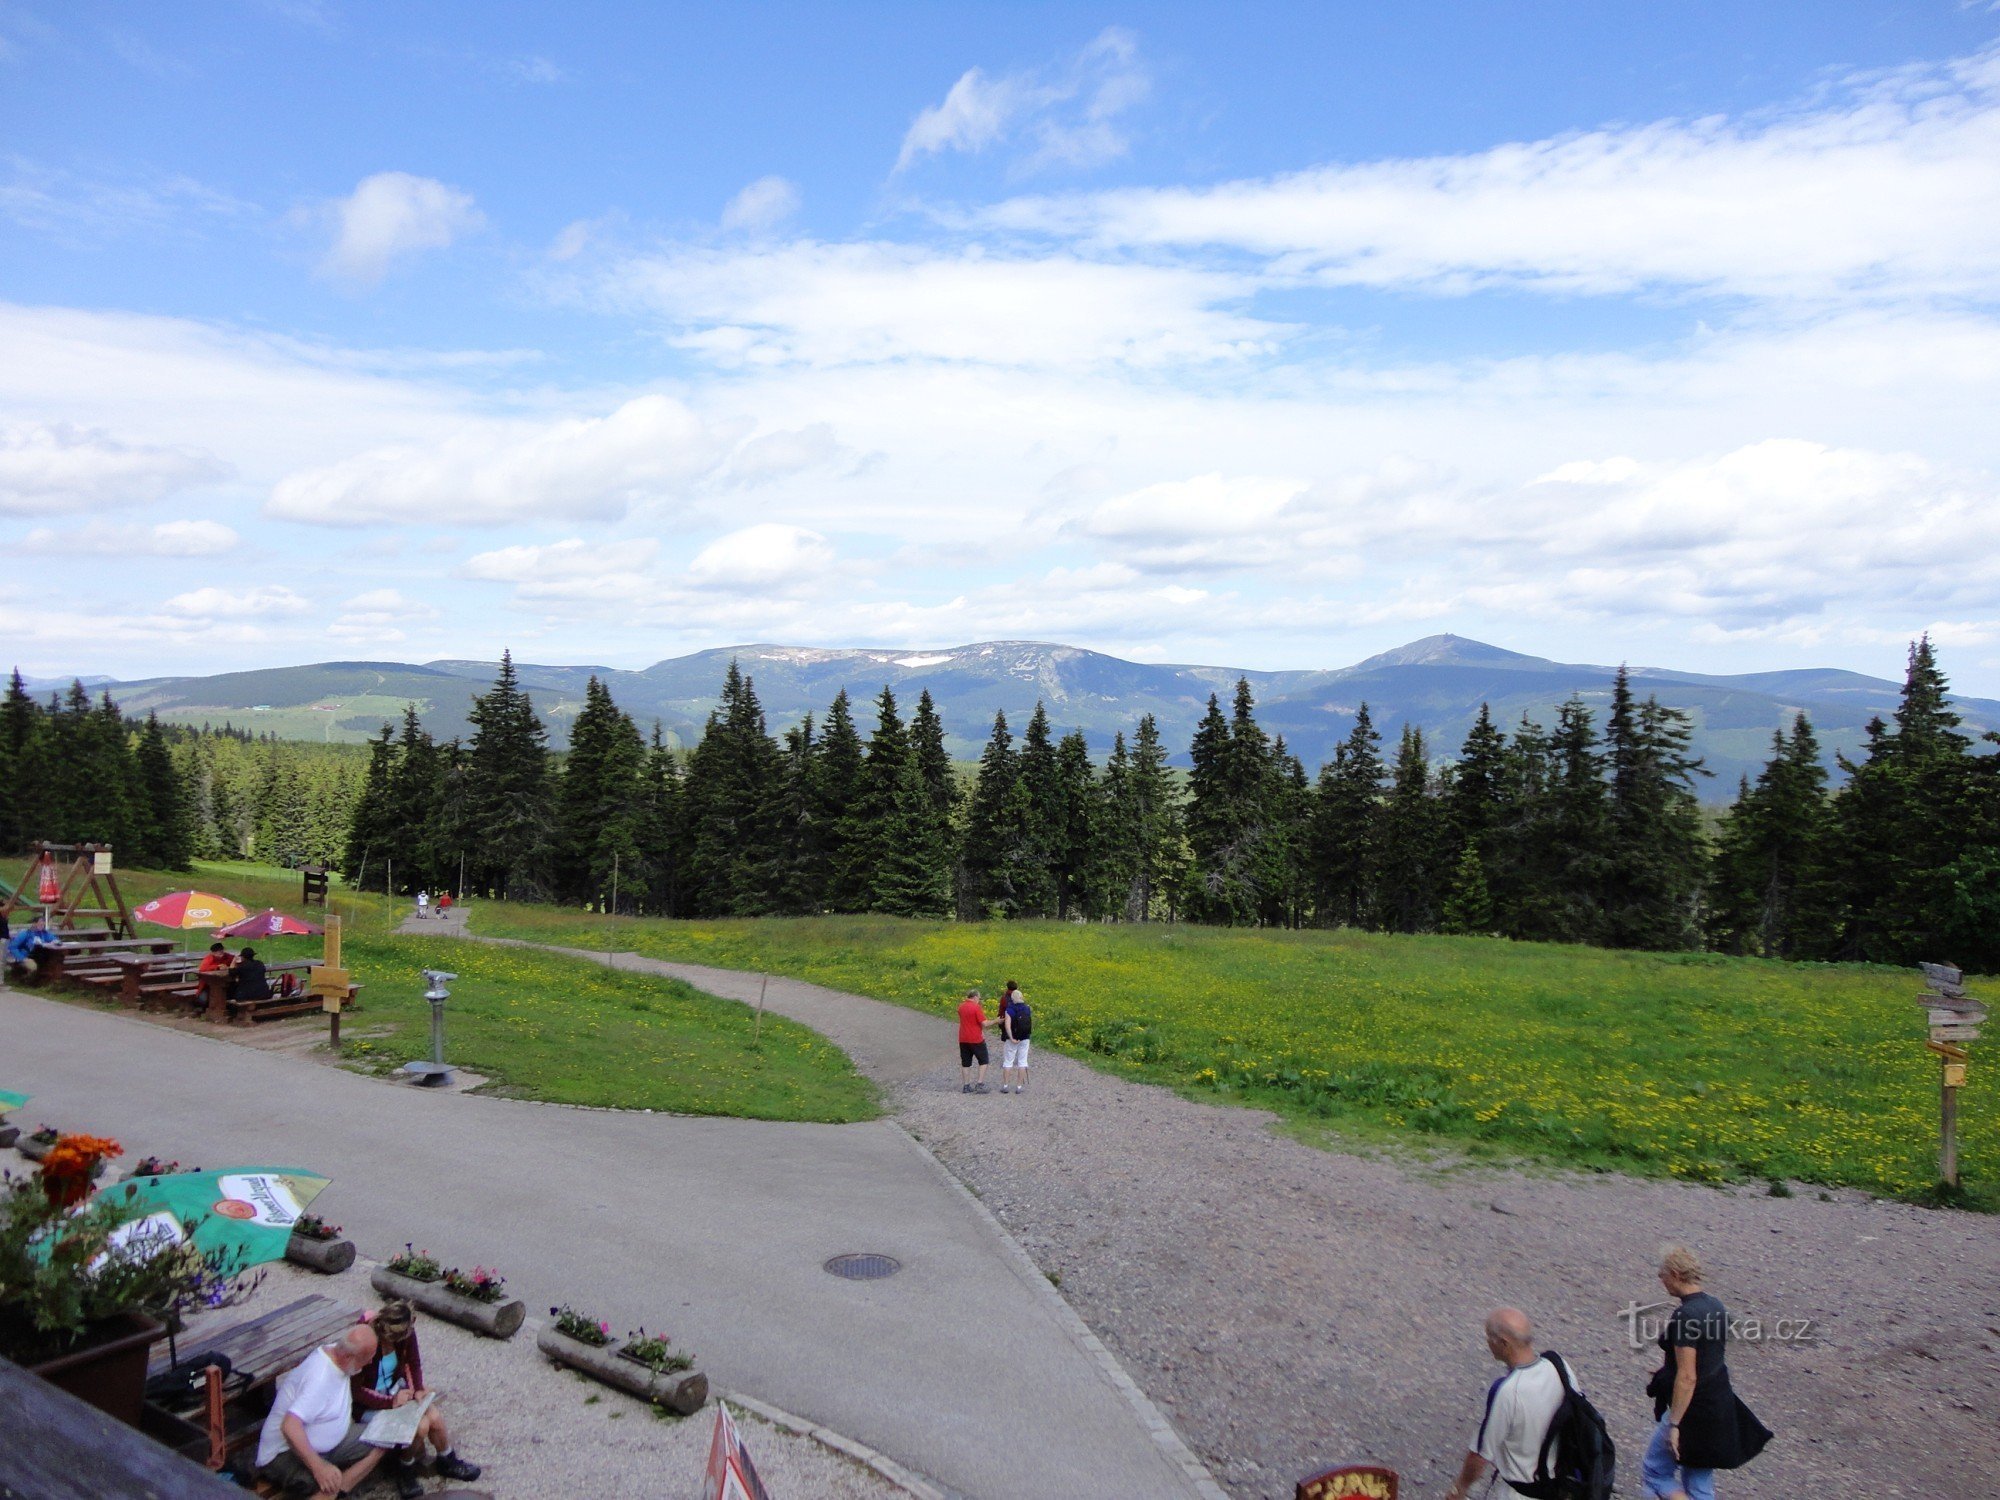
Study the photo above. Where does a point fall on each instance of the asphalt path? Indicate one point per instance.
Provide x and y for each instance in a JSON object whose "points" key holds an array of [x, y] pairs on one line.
{"points": [[966, 1365]]}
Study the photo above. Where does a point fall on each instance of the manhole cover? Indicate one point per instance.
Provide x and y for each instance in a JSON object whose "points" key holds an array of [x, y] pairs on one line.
{"points": [[864, 1267]]}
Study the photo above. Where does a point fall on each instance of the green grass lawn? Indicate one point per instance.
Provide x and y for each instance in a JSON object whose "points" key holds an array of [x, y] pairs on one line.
{"points": [[547, 1027], [1682, 1065]]}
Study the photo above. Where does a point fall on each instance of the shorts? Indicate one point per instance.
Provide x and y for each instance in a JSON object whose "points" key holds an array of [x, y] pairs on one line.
{"points": [[1014, 1054], [286, 1472], [972, 1052]]}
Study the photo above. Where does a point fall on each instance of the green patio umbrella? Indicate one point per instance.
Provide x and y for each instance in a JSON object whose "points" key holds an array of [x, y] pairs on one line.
{"points": [[11, 1100], [242, 1214]]}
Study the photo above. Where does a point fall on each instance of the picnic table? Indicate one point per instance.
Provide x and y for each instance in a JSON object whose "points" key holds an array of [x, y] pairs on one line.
{"points": [[83, 950], [210, 1422], [219, 1005]]}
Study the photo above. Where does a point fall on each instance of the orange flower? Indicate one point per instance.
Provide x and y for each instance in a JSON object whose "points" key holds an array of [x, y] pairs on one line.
{"points": [[78, 1155]]}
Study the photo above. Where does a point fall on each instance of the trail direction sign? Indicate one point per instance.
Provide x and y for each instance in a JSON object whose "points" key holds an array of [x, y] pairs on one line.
{"points": [[1954, 1018]]}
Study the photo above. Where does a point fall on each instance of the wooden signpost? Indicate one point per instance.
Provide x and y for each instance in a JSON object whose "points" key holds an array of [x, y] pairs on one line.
{"points": [[313, 886], [329, 981], [1955, 1018]]}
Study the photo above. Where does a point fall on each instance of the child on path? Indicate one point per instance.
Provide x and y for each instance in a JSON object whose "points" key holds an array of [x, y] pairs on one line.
{"points": [[1017, 1025], [972, 1024], [423, 903]]}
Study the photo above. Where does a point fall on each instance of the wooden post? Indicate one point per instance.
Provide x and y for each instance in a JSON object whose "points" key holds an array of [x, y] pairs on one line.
{"points": [[1948, 1129], [332, 981], [757, 1033]]}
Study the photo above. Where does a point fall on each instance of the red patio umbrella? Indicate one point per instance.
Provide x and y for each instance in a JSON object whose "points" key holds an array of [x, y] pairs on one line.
{"points": [[270, 922], [50, 892]]}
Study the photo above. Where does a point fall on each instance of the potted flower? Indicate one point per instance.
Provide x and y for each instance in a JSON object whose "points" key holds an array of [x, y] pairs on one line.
{"points": [[72, 1164], [82, 1307], [35, 1145], [318, 1245], [475, 1299], [645, 1364]]}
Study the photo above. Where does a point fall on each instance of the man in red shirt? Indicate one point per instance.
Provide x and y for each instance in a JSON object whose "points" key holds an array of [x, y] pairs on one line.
{"points": [[972, 1024]]}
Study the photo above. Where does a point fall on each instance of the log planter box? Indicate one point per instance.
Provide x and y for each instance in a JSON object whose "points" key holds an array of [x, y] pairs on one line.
{"points": [[329, 1256], [8, 1135], [497, 1320], [109, 1373], [33, 1149], [682, 1391]]}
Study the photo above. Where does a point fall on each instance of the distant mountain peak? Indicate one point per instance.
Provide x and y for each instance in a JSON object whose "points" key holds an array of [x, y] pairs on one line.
{"points": [[1448, 651]]}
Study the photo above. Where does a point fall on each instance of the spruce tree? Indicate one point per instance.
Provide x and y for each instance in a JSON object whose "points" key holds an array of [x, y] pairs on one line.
{"points": [[662, 838], [1345, 828], [165, 799], [416, 806], [1159, 840], [837, 773], [1073, 832], [1410, 875], [732, 842], [1653, 856], [582, 793], [875, 821], [1468, 904], [913, 874], [795, 879], [988, 856], [1767, 883], [1038, 812], [507, 788]]}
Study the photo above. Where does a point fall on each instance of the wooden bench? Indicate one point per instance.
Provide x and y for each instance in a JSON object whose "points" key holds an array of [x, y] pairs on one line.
{"points": [[144, 979], [209, 1424], [219, 1005], [56, 962]]}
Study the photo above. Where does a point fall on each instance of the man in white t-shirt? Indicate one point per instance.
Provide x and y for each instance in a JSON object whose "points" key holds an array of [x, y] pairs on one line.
{"points": [[310, 1445], [1519, 1407]]}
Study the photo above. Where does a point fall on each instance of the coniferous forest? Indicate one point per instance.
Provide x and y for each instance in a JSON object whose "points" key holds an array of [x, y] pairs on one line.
{"points": [[1585, 830]]}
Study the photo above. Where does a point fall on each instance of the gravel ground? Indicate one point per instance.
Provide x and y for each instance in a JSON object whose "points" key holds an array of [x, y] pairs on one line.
{"points": [[541, 1433], [1289, 1307]]}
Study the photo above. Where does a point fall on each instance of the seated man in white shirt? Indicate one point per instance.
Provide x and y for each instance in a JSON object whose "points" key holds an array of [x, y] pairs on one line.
{"points": [[1519, 1407], [310, 1445]]}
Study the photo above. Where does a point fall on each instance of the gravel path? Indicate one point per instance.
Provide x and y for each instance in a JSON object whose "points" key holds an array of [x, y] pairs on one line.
{"points": [[541, 1433], [1288, 1306]]}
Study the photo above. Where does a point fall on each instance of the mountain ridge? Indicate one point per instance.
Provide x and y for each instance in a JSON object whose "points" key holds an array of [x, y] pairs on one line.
{"points": [[1436, 682]]}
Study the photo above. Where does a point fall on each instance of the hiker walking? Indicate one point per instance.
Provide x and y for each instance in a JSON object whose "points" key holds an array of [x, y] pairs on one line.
{"points": [[1539, 1432], [1703, 1423], [423, 903], [1017, 1025], [972, 1024]]}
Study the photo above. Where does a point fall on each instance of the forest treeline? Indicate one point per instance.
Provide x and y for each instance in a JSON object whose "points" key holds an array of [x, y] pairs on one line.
{"points": [[74, 769], [1584, 830]]}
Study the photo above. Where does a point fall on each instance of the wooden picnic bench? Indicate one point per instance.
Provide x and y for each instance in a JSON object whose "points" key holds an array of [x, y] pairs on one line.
{"points": [[145, 980], [211, 1423], [219, 1005], [76, 951]]}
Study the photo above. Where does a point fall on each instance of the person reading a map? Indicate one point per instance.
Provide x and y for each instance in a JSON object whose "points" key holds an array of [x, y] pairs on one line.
{"points": [[394, 1378], [309, 1445]]}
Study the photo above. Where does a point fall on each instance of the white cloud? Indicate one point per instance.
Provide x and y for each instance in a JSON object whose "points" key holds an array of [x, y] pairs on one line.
{"points": [[764, 204], [857, 303], [649, 449], [1890, 189], [768, 555], [534, 70], [55, 467], [1067, 115], [390, 217], [256, 602], [102, 539], [775, 455]]}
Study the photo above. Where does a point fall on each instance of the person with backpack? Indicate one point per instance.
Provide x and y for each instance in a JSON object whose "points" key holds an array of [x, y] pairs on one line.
{"points": [[1017, 1025], [1539, 1433], [1703, 1423]]}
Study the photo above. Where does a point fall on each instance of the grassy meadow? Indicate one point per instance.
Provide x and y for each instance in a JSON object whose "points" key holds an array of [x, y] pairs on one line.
{"points": [[1691, 1066], [546, 1027]]}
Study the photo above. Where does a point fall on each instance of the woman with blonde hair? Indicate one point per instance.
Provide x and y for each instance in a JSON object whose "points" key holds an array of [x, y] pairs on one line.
{"points": [[395, 1377], [1703, 1424]]}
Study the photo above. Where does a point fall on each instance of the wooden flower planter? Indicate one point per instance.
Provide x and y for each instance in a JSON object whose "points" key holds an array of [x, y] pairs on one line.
{"points": [[8, 1135], [497, 1320], [328, 1256], [33, 1149], [110, 1373], [683, 1391]]}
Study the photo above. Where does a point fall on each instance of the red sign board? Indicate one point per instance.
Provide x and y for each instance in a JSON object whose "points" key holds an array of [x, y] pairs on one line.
{"points": [[730, 1474], [1350, 1482]]}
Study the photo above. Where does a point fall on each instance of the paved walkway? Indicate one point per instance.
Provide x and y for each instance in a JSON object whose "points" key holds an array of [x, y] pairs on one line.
{"points": [[965, 1366]]}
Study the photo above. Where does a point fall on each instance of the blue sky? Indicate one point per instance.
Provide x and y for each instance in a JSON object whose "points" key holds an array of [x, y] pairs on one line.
{"points": [[1273, 335]]}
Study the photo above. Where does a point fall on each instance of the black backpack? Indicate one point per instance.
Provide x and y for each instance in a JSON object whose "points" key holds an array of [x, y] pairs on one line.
{"points": [[1020, 1020], [1578, 1460]]}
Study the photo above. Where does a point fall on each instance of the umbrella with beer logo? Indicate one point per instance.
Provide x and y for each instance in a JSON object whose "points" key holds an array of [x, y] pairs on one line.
{"points": [[187, 909], [243, 1215], [269, 923]]}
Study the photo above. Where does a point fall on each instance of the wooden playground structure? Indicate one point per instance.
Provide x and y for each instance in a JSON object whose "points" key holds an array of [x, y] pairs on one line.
{"points": [[75, 886]]}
